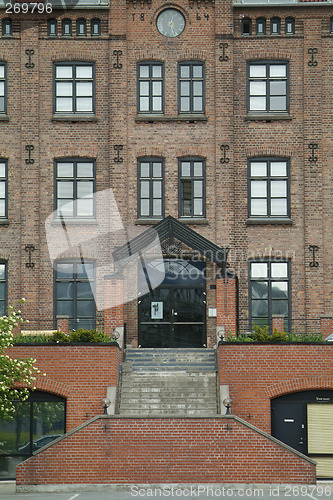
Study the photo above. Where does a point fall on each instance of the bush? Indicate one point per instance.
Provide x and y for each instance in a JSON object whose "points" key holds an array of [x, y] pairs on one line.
{"points": [[262, 334], [79, 335]]}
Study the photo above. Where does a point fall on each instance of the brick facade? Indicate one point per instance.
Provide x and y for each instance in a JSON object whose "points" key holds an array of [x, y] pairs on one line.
{"points": [[79, 373], [225, 136], [165, 451], [257, 373]]}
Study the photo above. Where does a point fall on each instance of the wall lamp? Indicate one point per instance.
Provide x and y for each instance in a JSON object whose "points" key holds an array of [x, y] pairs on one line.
{"points": [[227, 403], [106, 403]]}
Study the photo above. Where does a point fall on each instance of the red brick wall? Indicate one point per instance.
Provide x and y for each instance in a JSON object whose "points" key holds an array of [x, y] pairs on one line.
{"points": [[257, 373], [226, 304], [121, 450], [113, 303], [79, 373]]}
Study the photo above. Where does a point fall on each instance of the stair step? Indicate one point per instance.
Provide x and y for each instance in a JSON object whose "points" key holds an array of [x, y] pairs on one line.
{"points": [[179, 382]]}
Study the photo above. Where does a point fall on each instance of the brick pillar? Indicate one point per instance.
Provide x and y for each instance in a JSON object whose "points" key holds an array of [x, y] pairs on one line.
{"points": [[63, 324], [278, 323], [226, 304], [113, 302], [326, 326]]}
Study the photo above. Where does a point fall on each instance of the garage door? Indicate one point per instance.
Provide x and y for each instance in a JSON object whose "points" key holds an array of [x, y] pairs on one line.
{"points": [[320, 438]]}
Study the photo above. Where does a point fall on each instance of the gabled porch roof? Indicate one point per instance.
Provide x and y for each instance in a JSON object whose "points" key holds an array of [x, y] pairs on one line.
{"points": [[170, 229]]}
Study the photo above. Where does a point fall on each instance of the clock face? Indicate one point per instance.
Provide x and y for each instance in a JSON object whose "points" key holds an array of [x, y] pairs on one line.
{"points": [[170, 23]]}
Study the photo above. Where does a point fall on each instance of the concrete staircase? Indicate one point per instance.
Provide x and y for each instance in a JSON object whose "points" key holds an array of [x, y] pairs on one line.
{"points": [[179, 382]]}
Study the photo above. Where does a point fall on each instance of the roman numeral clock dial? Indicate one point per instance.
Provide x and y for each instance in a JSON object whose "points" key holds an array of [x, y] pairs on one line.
{"points": [[170, 23]]}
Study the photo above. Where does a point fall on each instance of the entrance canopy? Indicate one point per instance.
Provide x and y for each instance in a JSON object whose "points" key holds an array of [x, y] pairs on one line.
{"points": [[168, 230]]}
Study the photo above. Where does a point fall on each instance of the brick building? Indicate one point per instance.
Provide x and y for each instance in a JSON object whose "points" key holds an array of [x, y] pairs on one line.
{"points": [[173, 160], [220, 123]]}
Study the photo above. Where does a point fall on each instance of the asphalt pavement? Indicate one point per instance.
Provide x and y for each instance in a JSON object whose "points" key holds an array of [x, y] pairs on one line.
{"points": [[320, 491]]}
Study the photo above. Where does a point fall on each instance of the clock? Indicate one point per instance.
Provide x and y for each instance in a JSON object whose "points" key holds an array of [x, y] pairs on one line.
{"points": [[170, 23]]}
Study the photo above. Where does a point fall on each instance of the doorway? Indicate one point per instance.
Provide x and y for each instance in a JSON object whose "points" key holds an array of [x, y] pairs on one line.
{"points": [[174, 314]]}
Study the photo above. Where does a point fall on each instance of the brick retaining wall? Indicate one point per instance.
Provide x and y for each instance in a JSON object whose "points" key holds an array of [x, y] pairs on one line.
{"points": [[166, 450]]}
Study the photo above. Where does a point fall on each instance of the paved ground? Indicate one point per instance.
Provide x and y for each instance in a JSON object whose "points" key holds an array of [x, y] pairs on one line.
{"points": [[321, 491]]}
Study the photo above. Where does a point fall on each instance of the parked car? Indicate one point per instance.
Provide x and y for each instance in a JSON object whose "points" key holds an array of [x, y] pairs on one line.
{"points": [[42, 441]]}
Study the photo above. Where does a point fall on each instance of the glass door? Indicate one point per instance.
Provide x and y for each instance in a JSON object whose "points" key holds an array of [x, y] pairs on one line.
{"points": [[172, 317]]}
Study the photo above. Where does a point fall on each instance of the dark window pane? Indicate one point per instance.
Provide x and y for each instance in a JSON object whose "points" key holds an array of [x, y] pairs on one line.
{"points": [[65, 308], [280, 307], [85, 270], [84, 291], [259, 289], [85, 308], [280, 290], [65, 291], [65, 270], [259, 308]]}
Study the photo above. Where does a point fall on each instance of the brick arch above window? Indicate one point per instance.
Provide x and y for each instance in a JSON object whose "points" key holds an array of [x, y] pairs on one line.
{"points": [[53, 387], [254, 55], [252, 152], [298, 385]]}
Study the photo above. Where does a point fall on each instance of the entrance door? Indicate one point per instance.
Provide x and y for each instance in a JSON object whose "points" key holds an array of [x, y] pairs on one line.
{"points": [[172, 317], [289, 424]]}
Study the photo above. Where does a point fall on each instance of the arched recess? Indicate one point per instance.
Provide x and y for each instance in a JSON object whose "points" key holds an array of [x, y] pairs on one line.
{"points": [[299, 384]]}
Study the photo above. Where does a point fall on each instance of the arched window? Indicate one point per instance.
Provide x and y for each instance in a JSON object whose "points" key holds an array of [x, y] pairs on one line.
{"points": [[290, 26], [260, 26], [275, 26], [7, 28], [246, 26], [66, 27], [81, 27], [52, 27], [36, 422], [95, 27]]}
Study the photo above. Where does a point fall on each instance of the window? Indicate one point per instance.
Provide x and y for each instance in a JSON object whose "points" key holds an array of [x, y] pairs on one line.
{"points": [[191, 87], [74, 284], [151, 188], [275, 26], [290, 26], [52, 27], [331, 25], [268, 87], [74, 188], [269, 188], [3, 89], [7, 28], [246, 26], [191, 187], [3, 288], [269, 292], [74, 88], [150, 88], [35, 422], [95, 27], [66, 27], [81, 27], [3, 189], [261, 26]]}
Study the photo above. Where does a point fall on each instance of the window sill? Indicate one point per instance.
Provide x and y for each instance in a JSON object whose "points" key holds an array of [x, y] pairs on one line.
{"points": [[268, 220], [75, 222], [179, 118], [4, 118], [188, 220], [268, 117], [147, 222], [74, 118], [4, 222]]}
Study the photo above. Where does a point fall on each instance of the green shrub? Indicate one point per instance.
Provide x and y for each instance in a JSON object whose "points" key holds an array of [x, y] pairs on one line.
{"points": [[80, 335], [262, 334]]}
